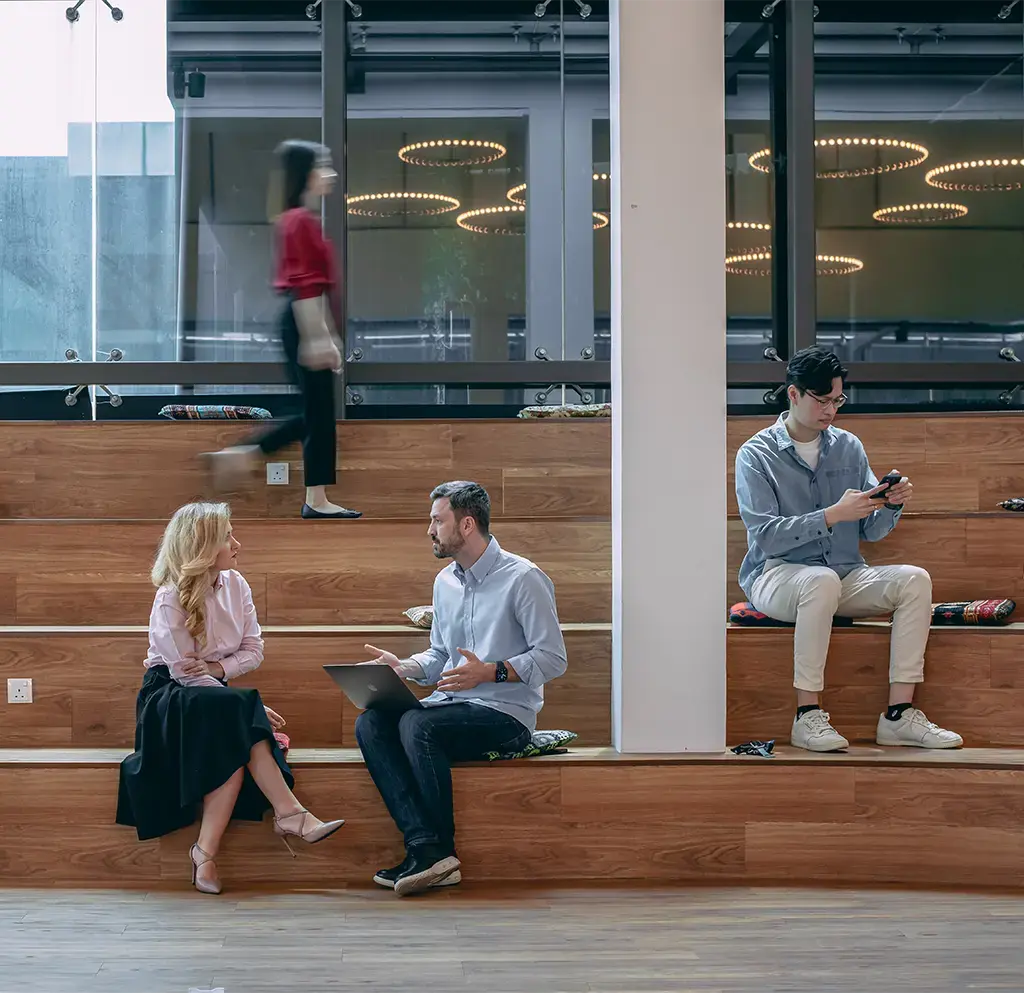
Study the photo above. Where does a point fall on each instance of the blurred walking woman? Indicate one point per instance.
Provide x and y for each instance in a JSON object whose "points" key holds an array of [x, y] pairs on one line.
{"points": [[306, 276], [200, 744]]}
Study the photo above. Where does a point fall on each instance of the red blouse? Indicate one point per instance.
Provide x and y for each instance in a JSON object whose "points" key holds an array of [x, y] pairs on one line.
{"points": [[305, 263]]}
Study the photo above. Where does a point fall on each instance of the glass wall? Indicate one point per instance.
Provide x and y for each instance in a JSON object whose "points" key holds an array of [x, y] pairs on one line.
{"points": [[87, 184], [918, 197], [475, 234], [748, 208]]}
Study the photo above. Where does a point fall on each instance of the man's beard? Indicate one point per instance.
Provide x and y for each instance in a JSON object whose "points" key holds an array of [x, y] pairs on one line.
{"points": [[446, 550]]}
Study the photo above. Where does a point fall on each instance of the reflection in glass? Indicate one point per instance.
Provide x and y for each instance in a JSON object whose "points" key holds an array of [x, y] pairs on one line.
{"points": [[912, 124]]}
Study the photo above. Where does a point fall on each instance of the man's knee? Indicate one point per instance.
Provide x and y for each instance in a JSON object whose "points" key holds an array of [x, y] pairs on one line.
{"points": [[414, 727], [820, 589], [369, 725], [915, 583]]}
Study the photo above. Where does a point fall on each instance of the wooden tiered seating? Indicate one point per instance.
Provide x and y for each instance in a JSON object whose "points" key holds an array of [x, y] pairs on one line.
{"points": [[82, 512], [936, 819], [85, 682]]}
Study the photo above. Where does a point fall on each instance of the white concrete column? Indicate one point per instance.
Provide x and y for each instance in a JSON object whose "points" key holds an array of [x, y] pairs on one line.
{"points": [[668, 375]]}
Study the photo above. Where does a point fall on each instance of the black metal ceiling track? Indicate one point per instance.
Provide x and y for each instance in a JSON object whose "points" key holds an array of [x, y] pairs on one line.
{"points": [[374, 10], [890, 11], [361, 64]]}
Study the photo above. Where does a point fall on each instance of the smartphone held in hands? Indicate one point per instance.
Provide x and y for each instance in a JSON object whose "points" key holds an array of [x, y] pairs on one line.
{"points": [[888, 481]]}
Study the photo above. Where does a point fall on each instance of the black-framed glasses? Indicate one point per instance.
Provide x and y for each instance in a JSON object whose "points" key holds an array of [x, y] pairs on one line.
{"points": [[836, 402]]}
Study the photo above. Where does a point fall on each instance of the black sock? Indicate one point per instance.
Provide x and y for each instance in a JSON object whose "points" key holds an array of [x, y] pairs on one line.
{"points": [[800, 711], [895, 711]]}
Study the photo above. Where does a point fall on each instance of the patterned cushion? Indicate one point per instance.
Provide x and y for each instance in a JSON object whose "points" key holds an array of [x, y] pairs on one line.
{"points": [[213, 412], [568, 410], [749, 616], [982, 612], [422, 617], [542, 743], [1015, 504]]}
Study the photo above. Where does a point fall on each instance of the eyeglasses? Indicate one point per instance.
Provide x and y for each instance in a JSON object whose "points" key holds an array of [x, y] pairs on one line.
{"points": [[836, 402]]}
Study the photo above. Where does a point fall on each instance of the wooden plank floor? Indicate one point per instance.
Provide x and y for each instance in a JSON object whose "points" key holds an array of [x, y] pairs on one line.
{"points": [[513, 939]]}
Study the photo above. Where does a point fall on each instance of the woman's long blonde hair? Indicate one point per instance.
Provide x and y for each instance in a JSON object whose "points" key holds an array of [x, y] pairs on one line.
{"points": [[188, 551]]}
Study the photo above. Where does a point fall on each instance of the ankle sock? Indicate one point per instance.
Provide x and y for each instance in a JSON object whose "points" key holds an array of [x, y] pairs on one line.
{"points": [[800, 711], [895, 710]]}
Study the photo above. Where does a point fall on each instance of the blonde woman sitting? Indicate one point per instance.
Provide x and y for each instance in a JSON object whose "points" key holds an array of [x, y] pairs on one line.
{"points": [[197, 741]]}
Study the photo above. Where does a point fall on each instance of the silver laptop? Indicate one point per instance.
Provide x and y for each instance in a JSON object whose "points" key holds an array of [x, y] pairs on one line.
{"points": [[373, 687]]}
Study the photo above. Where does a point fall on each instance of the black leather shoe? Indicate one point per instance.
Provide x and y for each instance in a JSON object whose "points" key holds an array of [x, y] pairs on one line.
{"points": [[314, 515], [426, 869]]}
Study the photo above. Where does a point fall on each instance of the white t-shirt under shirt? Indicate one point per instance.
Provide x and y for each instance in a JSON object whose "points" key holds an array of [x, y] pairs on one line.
{"points": [[809, 451]]}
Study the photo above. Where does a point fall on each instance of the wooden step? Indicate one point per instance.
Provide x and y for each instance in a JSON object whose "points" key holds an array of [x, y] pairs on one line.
{"points": [[359, 572], [146, 469], [301, 572], [969, 556], [974, 682], [86, 681], [959, 463], [591, 815]]}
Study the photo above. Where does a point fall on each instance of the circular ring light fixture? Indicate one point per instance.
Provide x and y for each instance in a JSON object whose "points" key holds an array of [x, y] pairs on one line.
{"points": [[952, 175], [517, 195], [438, 152], [401, 202], [758, 262], [912, 154], [469, 220], [920, 213]]}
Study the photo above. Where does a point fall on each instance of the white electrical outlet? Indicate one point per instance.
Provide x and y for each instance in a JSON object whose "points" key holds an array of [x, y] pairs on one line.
{"points": [[277, 474], [19, 690]]}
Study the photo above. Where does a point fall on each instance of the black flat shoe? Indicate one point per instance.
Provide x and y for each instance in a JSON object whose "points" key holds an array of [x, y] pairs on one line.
{"points": [[314, 515]]}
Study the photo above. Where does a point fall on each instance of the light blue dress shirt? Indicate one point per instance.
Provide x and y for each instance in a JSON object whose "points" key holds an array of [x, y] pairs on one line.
{"points": [[782, 501], [503, 610]]}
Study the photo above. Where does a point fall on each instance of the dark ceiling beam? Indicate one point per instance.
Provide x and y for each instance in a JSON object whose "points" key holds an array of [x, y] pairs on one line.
{"points": [[742, 44], [982, 66], [575, 65]]}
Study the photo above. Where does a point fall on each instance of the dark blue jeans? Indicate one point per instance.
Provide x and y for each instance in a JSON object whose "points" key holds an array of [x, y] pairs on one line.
{"points": [[409, 758]]}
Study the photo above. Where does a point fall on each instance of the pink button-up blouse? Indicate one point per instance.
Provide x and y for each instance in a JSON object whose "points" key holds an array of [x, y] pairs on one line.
{"points": [[233, 636]]}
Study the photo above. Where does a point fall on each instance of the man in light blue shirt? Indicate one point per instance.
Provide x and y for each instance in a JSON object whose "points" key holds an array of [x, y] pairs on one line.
{"points": [[808, 498], [495, 641]]}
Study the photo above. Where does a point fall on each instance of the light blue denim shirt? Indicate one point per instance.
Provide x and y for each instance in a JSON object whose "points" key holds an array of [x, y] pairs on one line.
{"points": [[502, 609], [782, 502]]}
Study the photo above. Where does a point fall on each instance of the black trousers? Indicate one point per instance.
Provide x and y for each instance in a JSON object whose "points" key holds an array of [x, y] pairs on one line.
{"points": [[315, 427]]}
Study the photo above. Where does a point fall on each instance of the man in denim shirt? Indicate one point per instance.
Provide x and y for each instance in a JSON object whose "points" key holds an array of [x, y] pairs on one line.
{"points": [[808, 497]]}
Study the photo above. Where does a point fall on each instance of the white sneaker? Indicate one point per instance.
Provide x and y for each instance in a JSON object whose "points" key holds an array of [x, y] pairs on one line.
{"points": [[914, 729], [813, 732]]}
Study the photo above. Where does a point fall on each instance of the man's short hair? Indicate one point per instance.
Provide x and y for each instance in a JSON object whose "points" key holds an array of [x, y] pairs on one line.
{"points": [[813, 369], [467, 500]]}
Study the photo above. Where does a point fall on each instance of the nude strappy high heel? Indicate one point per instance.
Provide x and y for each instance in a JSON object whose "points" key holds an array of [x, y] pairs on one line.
{"points": [[201, 884], [297, 828]]}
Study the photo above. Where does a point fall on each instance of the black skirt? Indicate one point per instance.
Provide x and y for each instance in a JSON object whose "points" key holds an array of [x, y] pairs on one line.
{"points": [[188, 741]]}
